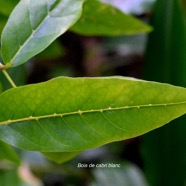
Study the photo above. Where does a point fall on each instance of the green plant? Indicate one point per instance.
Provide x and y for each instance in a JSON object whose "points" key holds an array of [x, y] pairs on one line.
{"points": [[166, 55], [66, 116]]}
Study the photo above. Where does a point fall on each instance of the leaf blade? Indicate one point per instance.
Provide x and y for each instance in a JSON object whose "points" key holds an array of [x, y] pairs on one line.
{"points": [[60, 157], [67, 114], [34, 25]]}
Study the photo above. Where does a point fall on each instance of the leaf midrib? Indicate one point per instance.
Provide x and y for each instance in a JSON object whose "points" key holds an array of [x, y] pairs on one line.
{"points": [[26, 41], [80, 112]]}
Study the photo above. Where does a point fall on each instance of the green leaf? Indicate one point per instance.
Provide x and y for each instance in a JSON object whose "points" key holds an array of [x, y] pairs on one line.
{"points": [[34, 25], [165, 62], [60, 157], [103, 19], [1, 88], [3, 20], [10, 178], [7, 153], [55, 50], [68, 115], [7, 6]]}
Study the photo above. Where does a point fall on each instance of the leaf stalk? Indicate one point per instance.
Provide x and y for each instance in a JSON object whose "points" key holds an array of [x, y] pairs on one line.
{"points": [[9, 78], [2, 66]]}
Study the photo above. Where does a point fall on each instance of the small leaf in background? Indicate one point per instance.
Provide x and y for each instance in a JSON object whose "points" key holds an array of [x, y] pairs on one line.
{"points": [[10, 178], [8, 6], [75, 114], [7, 153], [52, 51], [102, 19], [127, 175], [34, 25], [5, 10], [3, 20]]}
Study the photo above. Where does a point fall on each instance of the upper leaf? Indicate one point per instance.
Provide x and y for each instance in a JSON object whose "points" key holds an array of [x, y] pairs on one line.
{"points": [[68, 115], [34, 25], [103, 19]]}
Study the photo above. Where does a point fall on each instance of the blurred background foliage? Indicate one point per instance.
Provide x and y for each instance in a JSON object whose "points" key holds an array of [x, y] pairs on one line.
{"points": [[119, 44]]}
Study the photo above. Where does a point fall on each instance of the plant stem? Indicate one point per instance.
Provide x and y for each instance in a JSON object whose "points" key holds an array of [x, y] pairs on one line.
{"points": [[9, 78]]}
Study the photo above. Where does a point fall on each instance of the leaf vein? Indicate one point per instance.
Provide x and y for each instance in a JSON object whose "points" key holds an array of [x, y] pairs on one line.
{"points": [[28, 118], [114, 124], [74, 130], [92, 127], [18, 132], [52, 137]]}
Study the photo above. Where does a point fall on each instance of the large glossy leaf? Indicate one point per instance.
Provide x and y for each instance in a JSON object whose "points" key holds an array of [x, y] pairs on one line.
{"points": [[67, 114], [6, 152], [103, 19], [33, 25]]}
